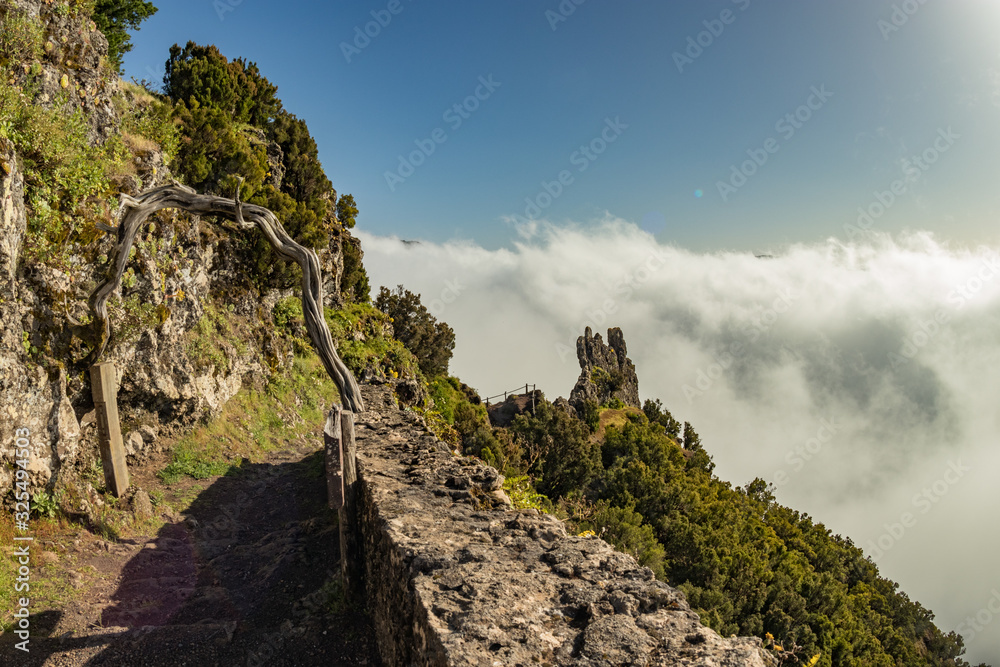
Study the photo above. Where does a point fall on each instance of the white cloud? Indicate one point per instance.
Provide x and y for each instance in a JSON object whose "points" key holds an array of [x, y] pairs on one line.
{"points": [[755, 353]]}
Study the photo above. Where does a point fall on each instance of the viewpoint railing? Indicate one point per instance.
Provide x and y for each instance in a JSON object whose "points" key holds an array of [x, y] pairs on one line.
{"points": [[512, 392]]}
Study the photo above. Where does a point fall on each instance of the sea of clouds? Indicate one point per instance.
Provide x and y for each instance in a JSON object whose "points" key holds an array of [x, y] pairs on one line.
{"points": [[862, 379]]}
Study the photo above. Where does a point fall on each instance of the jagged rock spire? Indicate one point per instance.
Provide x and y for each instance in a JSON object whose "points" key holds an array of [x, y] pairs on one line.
{"points": [[607, 372]]}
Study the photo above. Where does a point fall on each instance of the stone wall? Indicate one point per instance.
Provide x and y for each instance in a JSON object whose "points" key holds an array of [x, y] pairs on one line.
{"points": [[455, 576]]}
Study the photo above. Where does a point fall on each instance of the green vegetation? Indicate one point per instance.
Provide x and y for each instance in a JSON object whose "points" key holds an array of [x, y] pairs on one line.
{"points": [[748, 565], [49, 590], [624, 528], [115, 18], [430, 341], [364, 341], [347, 211], [44, 504], [354, 284], [289, 407], [216, 337], [68, 181], [523, 495], [20, 37]]}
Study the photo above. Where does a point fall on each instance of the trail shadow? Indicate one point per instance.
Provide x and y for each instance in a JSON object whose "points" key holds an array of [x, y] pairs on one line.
{"points": [[249, 577]]}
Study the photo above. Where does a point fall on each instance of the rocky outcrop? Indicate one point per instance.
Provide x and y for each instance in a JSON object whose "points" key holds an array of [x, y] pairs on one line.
{"points": [[607, 372], [503, 414], [70, 71], [454, 576]]}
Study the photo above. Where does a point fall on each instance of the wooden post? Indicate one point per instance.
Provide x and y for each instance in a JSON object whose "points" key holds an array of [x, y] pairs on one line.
{"points": [[104, 384], [351, 557], [334, 459]]}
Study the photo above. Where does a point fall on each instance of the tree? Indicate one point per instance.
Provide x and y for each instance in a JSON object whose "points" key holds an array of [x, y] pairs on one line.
{"points": [[658, 415], [347, 211], [692, 441], [430, 341], [567, 459], [203, 75], [354, 284], [115, 18]]}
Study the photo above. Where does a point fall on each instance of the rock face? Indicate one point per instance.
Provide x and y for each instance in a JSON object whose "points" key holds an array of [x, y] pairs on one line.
{"points": [[607, 372], [456, 577]]}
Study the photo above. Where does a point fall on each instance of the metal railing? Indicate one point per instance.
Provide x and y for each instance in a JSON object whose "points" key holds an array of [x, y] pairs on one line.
{"points": [[512, 392]]}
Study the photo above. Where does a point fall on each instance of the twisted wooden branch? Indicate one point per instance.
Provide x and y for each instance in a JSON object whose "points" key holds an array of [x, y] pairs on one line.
{"points": [[138, 209]]}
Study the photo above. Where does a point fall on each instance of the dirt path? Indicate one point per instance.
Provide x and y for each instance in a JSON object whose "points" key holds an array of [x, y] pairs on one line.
{"points": [[246, 575]]}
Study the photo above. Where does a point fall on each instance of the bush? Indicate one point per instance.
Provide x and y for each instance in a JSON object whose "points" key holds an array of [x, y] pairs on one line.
{"points": [[66, 179], [361, 333], [347, 211], [623, 527]]}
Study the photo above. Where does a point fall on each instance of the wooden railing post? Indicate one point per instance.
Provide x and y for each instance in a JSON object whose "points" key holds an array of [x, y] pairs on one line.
{"points": [[351, 556], [104, 385], [334, 459]]}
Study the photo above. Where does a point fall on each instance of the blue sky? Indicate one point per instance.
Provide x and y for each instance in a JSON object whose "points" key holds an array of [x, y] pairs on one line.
{"points": [[891, 91]]}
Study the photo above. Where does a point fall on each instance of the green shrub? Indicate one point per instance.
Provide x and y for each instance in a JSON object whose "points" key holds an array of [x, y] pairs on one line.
{"points": [[44, 505], [523, 495], [288, 311], [20, 37], [623, 527], [148, 116], [361, 333], [564, 458]]}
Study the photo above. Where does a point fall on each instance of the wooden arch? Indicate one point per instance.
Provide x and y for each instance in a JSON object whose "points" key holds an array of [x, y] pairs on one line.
{"points": [[247, 216]]}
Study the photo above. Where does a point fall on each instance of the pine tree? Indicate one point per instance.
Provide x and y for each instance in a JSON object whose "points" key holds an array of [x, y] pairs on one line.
{"points": [[115, 18]]}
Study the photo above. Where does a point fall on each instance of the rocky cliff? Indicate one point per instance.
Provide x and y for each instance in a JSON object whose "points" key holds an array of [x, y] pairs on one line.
{"points": [[606, 371]]}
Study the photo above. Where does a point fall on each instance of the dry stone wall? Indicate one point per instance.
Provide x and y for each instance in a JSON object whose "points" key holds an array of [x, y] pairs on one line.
{"points": [[455, 576]]}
